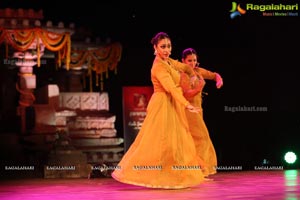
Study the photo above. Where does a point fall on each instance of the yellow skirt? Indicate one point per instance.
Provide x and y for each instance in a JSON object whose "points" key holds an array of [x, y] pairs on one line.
{"points": [[163, 154], [204, 146]]}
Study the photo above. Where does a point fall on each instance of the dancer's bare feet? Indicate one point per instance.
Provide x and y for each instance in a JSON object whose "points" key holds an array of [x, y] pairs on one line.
{"points": [[208, 179]]}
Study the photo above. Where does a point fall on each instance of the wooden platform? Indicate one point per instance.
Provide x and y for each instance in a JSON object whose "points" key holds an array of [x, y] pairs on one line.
{"points": [[245, 185]]}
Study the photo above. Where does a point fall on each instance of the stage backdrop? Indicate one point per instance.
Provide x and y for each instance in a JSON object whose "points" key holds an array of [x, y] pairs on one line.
{"points": [[135, 101]]}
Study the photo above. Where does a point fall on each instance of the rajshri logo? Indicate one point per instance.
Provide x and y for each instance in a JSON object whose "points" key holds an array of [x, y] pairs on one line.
{"points": [[236, 10]]}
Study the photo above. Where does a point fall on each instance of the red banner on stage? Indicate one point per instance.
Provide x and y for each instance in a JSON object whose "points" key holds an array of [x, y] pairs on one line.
{"points": [[135, 101]]}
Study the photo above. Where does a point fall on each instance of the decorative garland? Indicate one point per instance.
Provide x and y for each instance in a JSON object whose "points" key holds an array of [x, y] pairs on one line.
{"points": [[99, 60], [22, 39]]}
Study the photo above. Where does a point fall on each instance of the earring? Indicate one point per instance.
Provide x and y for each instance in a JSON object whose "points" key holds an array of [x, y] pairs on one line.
{"points": [[155, 52]]}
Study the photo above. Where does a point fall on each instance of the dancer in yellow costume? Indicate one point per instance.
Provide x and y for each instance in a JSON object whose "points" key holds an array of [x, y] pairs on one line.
{"points": [[199, 131], [163, 154]]}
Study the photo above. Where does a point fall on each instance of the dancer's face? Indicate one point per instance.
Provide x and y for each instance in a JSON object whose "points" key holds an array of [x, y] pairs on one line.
{"points": [[191, 60], [163, 48]]}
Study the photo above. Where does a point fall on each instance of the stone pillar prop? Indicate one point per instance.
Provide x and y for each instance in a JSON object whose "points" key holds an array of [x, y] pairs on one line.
{"points": [[26, 84]]}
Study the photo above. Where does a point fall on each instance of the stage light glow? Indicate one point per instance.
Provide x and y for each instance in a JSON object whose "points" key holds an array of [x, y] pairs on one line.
{"points": [[290, 157]]}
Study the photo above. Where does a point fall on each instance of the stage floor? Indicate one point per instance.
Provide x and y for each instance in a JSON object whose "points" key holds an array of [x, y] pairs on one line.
{"points": [[246, 185]]}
